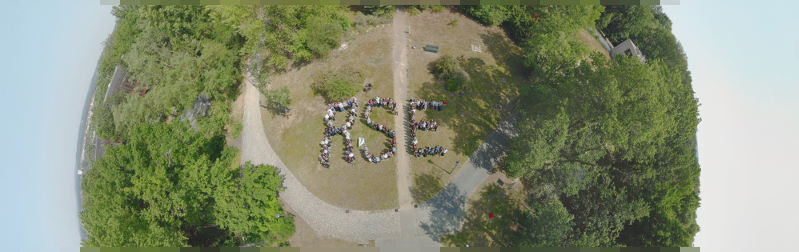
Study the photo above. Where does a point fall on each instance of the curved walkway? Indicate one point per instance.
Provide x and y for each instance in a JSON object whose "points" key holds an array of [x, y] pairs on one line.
{"points": [[410, 227], [359, 226]]}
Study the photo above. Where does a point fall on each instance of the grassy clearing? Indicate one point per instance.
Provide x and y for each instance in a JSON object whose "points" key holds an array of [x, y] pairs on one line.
{"points": [[506, 204], [295, 137], [471, 114]]}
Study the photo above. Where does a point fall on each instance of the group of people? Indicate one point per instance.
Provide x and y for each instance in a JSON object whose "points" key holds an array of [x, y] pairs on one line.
{"points": [[379, 127], [422, 104], [382, 157], [429, 151], [331, 131], [381, 102], [330, 115], [425, 125]]}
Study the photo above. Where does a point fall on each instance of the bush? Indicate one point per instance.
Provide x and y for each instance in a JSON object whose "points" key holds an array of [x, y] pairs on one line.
{"points": [[448, 68], [380, 10], [454, 22], [321, 36], [236, 130], [414, 11], [339, 85], [280, 99], [438, 8]]}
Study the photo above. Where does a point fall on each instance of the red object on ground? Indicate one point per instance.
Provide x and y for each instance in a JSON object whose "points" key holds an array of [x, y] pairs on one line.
{"points": [[490, 215]]}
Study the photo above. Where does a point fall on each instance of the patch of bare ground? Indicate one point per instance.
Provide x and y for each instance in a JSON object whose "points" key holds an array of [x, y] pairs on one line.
{"points": [[496, 74], [592, 43], [305, 236], [295, 137]]}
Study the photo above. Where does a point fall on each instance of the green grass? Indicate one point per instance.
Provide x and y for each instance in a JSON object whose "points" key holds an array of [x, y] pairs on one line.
{"points": [[501, 231], [236, 130], [295, 137], [496, 77]]}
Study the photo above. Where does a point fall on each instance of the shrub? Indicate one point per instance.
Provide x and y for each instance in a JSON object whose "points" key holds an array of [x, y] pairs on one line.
{"points": [[414, 11], [385, 11], [454, 22], [360, 19], [339, 85], [438, 8], [236, 130], [448, 69], [321, 36], [280, 98]]}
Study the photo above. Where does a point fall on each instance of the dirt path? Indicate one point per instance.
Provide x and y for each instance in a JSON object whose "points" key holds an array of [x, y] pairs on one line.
{"points": [[400, 56]]}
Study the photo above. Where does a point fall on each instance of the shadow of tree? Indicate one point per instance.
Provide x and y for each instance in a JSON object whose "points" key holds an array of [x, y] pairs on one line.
{"points": [[488, 97], [446, 212], [480, 231], [426, 186]]}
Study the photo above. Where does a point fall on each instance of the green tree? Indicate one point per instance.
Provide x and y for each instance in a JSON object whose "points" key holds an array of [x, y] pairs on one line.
{"points": [[322, 35], [172, 186], [279, 98], [338, 85], [286, 32], [599, 137], [247, 206], [545, 224], [448, 68]]}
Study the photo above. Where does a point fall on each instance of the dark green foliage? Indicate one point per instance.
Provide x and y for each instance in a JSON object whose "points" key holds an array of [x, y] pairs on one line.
{"points": [[386, 11], [606, 145], [174, 52], [448, 68], [117, 44], [488, 14], [279, 98], [547, 225], [164, 184], [322, 35], [286, 32], [246, 206], [168, 187], [339, 85], [650, 29]]}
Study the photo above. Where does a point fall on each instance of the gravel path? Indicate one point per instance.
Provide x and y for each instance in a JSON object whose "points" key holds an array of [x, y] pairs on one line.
{"points": [[444, 213], [400, 54], [358, 226], [418, 227]]}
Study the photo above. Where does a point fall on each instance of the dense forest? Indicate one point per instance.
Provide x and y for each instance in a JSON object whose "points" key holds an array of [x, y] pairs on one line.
{"points": [[606, 145]]}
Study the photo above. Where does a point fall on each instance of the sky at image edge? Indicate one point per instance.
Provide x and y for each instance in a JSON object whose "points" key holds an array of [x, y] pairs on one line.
{"points": [[742, 57], [49, 55]]}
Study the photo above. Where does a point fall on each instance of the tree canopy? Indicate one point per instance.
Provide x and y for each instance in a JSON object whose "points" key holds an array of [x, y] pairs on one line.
{"points": [[172, 186], [607, 145], [163, 183]]}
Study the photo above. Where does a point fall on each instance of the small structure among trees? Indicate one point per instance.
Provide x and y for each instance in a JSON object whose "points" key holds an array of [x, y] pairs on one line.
{"points": [[628, 48]]}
